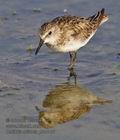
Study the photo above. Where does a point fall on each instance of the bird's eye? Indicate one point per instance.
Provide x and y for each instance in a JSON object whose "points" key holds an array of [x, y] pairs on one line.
{"points": [[50, 33]]}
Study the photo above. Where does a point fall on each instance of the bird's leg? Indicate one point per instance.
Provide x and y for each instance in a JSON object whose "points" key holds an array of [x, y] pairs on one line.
{"points": [[72, 59]]}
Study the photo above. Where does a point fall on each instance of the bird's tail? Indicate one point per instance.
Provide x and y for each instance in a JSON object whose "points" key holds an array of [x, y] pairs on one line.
{"points": [[102, 101], [100, 17]]}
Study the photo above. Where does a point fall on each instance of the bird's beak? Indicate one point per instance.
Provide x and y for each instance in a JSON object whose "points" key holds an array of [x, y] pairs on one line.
{"points": [[39, 46]]}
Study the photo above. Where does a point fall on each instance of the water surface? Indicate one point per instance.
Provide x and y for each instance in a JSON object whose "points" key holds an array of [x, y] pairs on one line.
{"points": [[25, 79]]}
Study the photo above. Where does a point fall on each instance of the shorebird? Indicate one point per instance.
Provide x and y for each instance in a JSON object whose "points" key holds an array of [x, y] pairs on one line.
{"points": [[69, 33]]}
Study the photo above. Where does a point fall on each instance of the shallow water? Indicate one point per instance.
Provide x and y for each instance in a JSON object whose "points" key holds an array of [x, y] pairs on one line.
{"points": [[25, 79]]}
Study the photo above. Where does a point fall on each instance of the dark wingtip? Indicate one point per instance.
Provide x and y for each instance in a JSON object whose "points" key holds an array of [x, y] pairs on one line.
{"points": [[103, 10]]}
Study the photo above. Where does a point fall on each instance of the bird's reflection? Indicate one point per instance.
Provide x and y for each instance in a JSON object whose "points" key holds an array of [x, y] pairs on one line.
{"points": [[67, 102], [72, 74]]}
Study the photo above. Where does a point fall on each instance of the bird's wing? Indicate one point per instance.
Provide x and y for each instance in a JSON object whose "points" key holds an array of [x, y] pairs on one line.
{"points": [[99, 18], [84, 27]]}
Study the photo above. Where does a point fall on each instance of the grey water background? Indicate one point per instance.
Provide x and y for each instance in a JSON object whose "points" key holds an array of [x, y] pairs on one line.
{"points": [[25, 79]]}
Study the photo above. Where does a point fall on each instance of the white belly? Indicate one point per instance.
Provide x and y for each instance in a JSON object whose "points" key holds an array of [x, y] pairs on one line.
{"points": [[74, 45]]}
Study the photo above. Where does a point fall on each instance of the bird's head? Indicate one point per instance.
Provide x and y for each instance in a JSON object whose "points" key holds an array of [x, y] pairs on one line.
{"points": [[49, 34], [49, 119]]}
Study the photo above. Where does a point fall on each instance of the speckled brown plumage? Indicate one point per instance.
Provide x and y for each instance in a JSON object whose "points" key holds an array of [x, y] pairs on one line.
{"points": [[69, 33]]}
